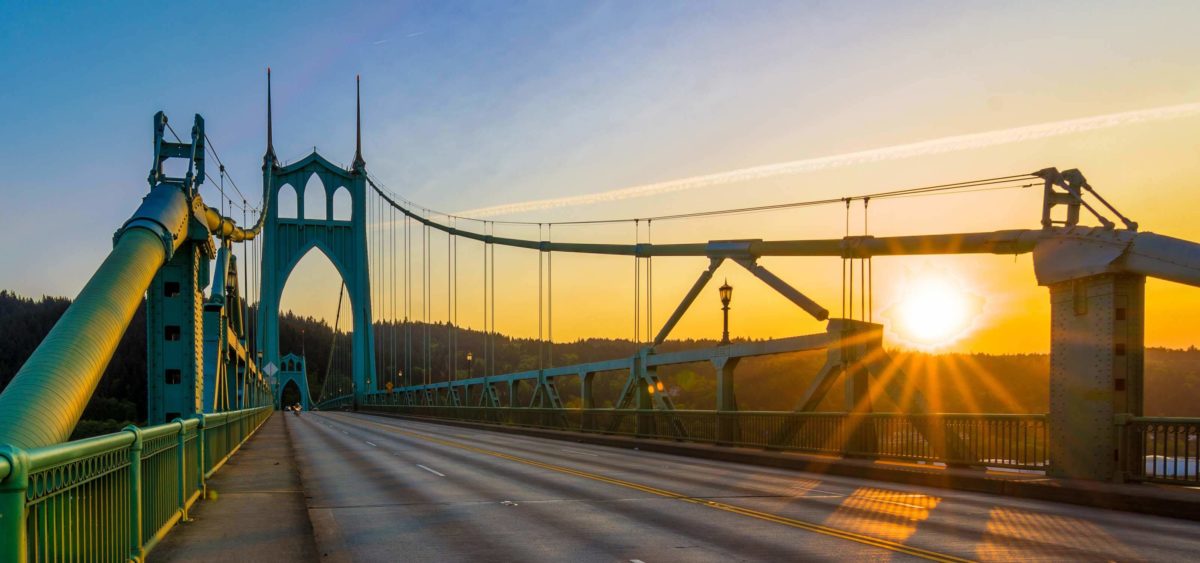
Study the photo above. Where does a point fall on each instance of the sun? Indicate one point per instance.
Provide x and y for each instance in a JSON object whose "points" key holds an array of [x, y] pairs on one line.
{"points": [[935, 309]]}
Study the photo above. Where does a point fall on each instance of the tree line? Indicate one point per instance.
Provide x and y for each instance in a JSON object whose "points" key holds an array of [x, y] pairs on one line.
{"points": [[966, 383]]}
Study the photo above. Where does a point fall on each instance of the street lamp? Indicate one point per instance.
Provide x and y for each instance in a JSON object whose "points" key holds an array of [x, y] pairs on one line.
{"points": [[470, 362], [726, 296]]}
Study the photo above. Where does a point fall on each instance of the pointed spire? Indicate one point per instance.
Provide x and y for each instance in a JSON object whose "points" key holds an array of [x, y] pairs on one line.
{"points": [[359, 163], [269, 158]]}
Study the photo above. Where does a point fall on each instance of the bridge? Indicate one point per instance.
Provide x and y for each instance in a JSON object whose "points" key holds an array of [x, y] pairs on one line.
{"points": [[416, 445]]}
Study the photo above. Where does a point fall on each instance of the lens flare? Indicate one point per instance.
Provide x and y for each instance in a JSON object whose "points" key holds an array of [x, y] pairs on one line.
{"points": [[935, 309]]}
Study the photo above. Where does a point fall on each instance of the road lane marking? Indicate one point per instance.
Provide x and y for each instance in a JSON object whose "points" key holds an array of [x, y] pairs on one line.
{"points": [[743, 511], [636, 561], [578, 452], [430, 470], [370, 444]]}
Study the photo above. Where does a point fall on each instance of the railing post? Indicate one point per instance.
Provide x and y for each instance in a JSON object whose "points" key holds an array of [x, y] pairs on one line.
{"points": [[135, 494], [181, 472], [12, 506], [201, 456]]}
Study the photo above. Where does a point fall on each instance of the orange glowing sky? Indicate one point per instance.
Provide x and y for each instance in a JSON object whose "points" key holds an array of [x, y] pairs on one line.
{"points": [[484, 105]]}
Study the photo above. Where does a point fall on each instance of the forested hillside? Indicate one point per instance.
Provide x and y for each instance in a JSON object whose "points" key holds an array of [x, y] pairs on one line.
{"points": [[952, 382]]}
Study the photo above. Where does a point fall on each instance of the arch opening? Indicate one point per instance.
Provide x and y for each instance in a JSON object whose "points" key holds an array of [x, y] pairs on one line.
{"points": [[343, 205], [314, 198], [290, 395], [311, 325]]}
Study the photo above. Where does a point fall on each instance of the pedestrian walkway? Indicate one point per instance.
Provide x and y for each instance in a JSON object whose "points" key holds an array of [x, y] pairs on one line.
{"points": [[259, 512]]}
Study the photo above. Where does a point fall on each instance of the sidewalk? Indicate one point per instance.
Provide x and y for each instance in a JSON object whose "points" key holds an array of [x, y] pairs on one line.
{"points": [[259, 513]]}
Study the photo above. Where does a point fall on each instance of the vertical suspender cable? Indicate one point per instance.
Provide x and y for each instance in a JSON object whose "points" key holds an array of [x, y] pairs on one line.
{"points": [[863, 266], [378, 276], [425, 302], [550, 296], [862, 275], [492, 334], [486, 356], [408, 312], [393, 326], [870, 266], [541, 298], [649, 283], [449, 310], [637, 287], [429, 297], [454, 323], [850, 307]]}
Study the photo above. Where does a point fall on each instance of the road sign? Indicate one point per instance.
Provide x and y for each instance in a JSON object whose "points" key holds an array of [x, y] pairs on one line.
{"points": [[389, 386], [270, 370]]}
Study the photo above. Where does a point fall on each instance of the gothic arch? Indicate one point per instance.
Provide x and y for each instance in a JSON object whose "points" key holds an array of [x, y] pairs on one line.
{"points": [[343, 242]]}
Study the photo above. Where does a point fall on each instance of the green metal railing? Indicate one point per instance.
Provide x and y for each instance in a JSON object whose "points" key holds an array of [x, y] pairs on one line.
{"points": [[112, 497], [336, 403], [995, 440], [1161, 449]]}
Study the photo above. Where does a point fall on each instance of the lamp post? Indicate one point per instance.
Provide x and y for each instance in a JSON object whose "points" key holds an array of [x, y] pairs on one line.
{"points": [[470, 363], [726, 296]]}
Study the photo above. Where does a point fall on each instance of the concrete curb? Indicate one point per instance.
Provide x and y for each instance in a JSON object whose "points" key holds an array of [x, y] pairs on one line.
{"points": [[1173, 502]]}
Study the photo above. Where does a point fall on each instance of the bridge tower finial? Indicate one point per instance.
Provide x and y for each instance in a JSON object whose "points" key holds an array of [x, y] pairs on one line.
{"points": [[269, 158], [359, 163]]}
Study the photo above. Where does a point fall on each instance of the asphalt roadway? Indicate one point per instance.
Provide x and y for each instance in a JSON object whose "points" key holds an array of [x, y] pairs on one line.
{"points": [[384, 489]]}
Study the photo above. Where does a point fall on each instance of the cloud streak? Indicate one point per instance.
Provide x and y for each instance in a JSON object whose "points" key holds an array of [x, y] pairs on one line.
{"points": [[895, 152]]}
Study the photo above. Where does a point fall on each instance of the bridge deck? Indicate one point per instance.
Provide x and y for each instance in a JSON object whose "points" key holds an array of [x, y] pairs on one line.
{"points": [[259, 512], [383, 488]]}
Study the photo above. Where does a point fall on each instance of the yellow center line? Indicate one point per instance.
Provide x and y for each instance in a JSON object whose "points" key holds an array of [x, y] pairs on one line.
{"points": [[792, 522]]}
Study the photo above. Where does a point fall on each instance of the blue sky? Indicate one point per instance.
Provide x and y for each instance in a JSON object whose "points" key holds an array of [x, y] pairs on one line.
{"points": [[473, 104]]}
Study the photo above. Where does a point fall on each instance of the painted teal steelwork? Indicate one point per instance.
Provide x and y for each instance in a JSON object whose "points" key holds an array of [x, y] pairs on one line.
{"points": [[196, 347], [293, 369], [231, 377], [44, 401], [344, 242], [112, 497]]}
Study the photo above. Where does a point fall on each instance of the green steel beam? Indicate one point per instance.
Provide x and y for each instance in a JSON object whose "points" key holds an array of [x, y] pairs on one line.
{"points": [[1016, 241], [45, 399]]}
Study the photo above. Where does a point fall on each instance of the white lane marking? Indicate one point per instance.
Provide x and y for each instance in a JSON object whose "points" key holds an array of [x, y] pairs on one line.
{"points": [[370, 444], [578, 452], [636, 561], [346, 433], [430, 470]]}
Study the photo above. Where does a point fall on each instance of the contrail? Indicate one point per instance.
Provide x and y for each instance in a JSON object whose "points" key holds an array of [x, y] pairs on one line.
{"points": [[896, 152]]}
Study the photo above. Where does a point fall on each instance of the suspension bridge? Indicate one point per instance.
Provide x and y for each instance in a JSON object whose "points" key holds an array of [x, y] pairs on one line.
{"points": [[427, 440]]}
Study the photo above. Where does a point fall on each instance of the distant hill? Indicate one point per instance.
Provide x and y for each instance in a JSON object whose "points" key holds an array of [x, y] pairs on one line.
{"points": [[952, 382]]}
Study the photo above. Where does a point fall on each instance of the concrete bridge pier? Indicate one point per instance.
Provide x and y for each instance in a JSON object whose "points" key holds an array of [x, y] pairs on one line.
{"points": [[1097, 347]]}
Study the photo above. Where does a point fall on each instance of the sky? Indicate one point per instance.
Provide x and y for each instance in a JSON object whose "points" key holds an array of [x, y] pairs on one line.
{"points": [[474, 105]]}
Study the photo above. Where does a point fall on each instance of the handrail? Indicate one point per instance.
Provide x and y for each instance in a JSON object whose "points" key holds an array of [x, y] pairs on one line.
{"points": [[113, 497]]}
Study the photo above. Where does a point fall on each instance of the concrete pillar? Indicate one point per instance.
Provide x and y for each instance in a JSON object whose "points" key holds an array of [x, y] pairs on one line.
{"points": [[724, 366], [585, 389], [857, 342], [727, 421], [1097, 346]]}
